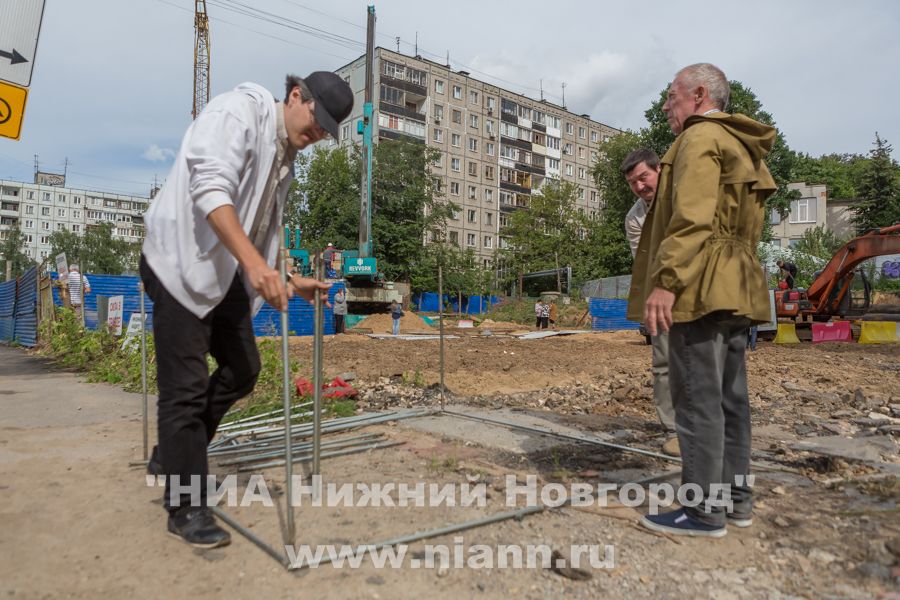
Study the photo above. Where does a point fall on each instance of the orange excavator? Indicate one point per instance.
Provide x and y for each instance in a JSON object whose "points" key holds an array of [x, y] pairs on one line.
{"points": [[829, 295]]}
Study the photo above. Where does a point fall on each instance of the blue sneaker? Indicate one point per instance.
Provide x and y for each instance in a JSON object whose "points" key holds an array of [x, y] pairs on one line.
{"points": [[678, 522]]}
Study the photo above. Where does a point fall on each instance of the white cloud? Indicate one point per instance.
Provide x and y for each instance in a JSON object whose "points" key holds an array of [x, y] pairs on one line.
{"points": [[156, 154]]}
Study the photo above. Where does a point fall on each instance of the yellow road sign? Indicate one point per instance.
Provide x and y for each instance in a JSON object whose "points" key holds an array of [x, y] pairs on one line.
{"points": [[12, 110]]}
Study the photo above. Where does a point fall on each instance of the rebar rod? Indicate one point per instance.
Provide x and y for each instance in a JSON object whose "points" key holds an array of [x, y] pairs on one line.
{"points": [[317, 369], [276, 450], [286, 397], [145, 417], [308, 457]]}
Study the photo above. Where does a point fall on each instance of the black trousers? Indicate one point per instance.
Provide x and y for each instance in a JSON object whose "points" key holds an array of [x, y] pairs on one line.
{"points": [[339, 324], [191, 401]]}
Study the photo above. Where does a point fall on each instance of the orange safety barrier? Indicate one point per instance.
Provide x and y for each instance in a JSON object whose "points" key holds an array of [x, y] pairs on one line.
{"points": [[833, 331]]}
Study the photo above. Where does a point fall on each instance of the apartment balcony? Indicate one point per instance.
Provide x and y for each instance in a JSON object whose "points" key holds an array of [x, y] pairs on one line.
{"points": [[512, 187], [9, 209], [521, 144], [509, 118], [539, 127], [390, 134], [530, 168], [406, 86]]}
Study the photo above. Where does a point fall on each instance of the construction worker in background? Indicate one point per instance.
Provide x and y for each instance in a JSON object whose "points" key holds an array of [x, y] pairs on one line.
{"points": [[696, 275], [396, 315], [641, 171], [537, 313], [328, 261], [790, 272], [554, 314], [339, 310], [74, 284], [209, 261]]}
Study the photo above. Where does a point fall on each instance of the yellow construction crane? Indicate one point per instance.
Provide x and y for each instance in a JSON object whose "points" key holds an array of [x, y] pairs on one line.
{"points": [[201, 57]]}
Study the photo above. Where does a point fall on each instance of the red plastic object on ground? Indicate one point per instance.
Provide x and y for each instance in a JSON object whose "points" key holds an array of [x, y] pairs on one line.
{"points": [[833, 331], [337, 388]]}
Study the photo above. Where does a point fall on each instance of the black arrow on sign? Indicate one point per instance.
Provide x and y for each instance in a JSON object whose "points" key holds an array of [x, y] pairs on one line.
{"points": [[14, 58]]}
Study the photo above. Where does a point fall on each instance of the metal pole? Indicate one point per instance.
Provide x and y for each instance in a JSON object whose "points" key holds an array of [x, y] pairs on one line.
{"points": [[250, 535], [441, 326], [144, 366], [286, 398], [317, 373], [81, 280]]}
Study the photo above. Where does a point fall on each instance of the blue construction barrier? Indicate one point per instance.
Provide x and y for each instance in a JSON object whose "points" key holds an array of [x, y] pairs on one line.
{"points": [[609, 314], [18, 309], [266, 322], [472, 305]]}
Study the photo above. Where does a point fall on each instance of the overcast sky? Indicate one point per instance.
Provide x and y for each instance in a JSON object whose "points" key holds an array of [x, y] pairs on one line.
{"points": [[112, 85]]}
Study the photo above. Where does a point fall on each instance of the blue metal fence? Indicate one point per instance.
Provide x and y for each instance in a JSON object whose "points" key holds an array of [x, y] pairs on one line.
{"points": [[609, 314], [472, 305], [18, 309]]}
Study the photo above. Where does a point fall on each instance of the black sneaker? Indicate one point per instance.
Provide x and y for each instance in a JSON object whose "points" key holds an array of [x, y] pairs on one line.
{"points": [[154, 466], [678, 522], [196, 526]]}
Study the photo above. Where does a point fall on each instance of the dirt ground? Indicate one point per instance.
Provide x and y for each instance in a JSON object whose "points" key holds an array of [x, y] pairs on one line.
{"points": [[78, 522]]}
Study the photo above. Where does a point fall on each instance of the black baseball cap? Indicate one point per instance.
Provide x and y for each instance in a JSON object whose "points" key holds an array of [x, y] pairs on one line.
{"points": [[333, 97]]}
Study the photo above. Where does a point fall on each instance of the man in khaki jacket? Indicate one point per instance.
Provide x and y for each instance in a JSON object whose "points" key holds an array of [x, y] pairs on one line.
{"points": [[696, 275]]}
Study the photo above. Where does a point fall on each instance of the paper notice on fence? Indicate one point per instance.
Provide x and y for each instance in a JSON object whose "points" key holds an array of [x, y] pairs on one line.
{"points": [[62, 267], [114, 316]]}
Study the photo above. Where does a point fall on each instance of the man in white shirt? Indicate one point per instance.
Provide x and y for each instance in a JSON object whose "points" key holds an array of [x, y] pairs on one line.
{"points": [[75, 282], [641, 170], [209, 262]]}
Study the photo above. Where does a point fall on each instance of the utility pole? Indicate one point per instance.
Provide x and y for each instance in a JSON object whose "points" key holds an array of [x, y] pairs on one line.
{"points": [[201, 57], [366, 126]]}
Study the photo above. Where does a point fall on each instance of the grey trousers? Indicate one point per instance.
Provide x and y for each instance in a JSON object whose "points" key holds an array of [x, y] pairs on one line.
{"points": [[708, 379], [662, 398]]}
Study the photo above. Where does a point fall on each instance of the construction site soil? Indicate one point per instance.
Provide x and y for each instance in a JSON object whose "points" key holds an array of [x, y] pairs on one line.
{"points": [[826, 420]]}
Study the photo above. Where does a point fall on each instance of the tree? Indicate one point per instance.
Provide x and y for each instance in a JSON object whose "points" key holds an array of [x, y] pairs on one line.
{"points": [[819, 242], [406, 205], [97, 251], [658, 136], [11, 253], [324, 199], [68, 242], [547, 234], [607, 250], [840, 172], [879, 190]]}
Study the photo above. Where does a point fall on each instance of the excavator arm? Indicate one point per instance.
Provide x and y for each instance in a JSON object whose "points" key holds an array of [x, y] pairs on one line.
{"points": [[828, 289]]}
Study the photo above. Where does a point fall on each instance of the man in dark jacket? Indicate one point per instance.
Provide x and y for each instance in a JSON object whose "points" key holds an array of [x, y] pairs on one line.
{"points": [[790, 272]]}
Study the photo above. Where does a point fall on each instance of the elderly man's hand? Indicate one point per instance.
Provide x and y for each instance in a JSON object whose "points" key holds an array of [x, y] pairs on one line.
{"points": [[658, 311], [306, 287]]}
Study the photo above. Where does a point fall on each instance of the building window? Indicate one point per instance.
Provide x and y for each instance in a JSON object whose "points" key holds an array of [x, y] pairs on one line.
{"points": [[552, 143], [457, 116], [489, 127], [473, 121], [776, 217], [470, 239], [471, 216], [457, 92], [489, 149], [581, 197], [537, 117], [45, 211], [473, 169], [570, 129], [582, 133], [454, 237], [488, 241], [439, 161], [60, 212], [60, 226], [454, 139], [438, 86], [504, 221], [29, 195], [580, 152], [29, 210], [29, 224], [488, 172], [473, 192], [488, 218], [581, 175], [593, 195], [438, 112], [473, 144], [569, 170], [803, 210], [567, 149], [489, 196], [454, 188], [491, 103], [76, 200], [525, 112], [76, 228], [473, 97], [594, 137], [345, 132], [553, 163], [506, 198], [46, 196], [454, 164], [438, 136]]}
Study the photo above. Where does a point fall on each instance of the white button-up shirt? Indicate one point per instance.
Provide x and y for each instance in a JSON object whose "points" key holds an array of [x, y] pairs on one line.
{"points": [[226, 157]]}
